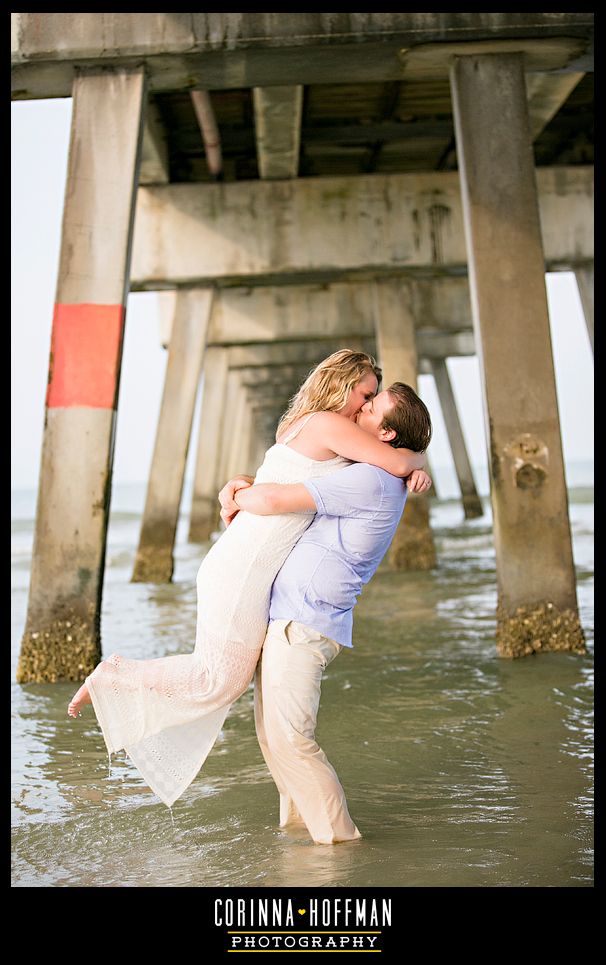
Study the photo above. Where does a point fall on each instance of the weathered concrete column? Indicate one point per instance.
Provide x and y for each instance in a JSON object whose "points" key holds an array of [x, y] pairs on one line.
{"points": [[239, 460], [154, 561], [233, 399], [412, 547], [233, 456], [537, 606], [584, 277], [204, 508], [433, 492], [267, 403], [265, 417], [278, 112], [472, 504], [258, 441], [62, 633]]}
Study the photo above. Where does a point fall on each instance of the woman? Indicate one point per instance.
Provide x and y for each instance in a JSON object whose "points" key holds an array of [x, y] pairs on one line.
{"points": [[167, 713]]}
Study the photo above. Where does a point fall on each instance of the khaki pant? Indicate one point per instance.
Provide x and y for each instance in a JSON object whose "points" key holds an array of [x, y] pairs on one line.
{"points": [[287, 697]]}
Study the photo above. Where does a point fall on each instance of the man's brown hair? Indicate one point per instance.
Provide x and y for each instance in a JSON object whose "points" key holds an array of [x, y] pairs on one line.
{"points": [[409, 418]]}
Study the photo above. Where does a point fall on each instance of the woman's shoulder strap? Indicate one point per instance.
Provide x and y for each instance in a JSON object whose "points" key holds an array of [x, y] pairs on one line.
{"points": [[291, 435]]}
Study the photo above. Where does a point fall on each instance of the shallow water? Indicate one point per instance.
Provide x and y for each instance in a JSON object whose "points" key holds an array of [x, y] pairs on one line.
{"points": [[461, 769]]}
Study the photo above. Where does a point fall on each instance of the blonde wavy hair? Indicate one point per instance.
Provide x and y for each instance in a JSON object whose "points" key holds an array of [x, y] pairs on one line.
{"points": [[328, 386]]}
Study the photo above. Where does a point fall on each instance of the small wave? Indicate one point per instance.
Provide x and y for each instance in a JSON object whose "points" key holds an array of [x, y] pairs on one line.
{"points": [[123, 516], [22, 526], [581, 495]]}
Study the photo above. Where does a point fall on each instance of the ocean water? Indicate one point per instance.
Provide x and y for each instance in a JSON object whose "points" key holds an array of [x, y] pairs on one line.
{"points": [[461, 769]]}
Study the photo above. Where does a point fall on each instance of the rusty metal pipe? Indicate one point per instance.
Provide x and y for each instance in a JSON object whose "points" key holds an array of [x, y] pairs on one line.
{"points": [[208, 127]]}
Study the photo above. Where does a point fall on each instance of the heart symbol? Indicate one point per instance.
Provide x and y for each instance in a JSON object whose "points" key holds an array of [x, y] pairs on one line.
{"points": [[301, 911]]}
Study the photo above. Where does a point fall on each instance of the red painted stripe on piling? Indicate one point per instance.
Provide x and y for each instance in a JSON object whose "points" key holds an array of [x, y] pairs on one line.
{"points": [[85, 351]]}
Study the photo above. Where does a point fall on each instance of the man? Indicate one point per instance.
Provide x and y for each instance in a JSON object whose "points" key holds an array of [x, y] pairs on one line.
{"points": [[357, 509]]}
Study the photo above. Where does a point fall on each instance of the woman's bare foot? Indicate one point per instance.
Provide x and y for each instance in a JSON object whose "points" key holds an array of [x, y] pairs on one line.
{"points": [[79, 700]]}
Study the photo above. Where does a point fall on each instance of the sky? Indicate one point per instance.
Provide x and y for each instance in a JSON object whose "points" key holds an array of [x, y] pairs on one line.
{"points": [[39, 149]]}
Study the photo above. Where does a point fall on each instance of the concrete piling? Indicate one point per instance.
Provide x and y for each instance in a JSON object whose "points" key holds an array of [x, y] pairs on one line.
{"points": [[205, 508], [584, 278], [235, 399], [234, 455], [412, 547], [62, 636], [537, 607], [266, 416], [472, 504], [433, 493], [278, 114], [154, 560]]}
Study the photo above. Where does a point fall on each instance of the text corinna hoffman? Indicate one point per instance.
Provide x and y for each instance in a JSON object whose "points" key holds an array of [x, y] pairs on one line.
{"points": [[310, 912]]}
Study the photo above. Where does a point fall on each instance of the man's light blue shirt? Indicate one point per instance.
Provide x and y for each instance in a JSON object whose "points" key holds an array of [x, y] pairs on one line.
{"points": [[358, 509]]}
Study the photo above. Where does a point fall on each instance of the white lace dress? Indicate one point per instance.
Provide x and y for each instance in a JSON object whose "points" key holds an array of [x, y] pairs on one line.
{"points": [[167, 713]]}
